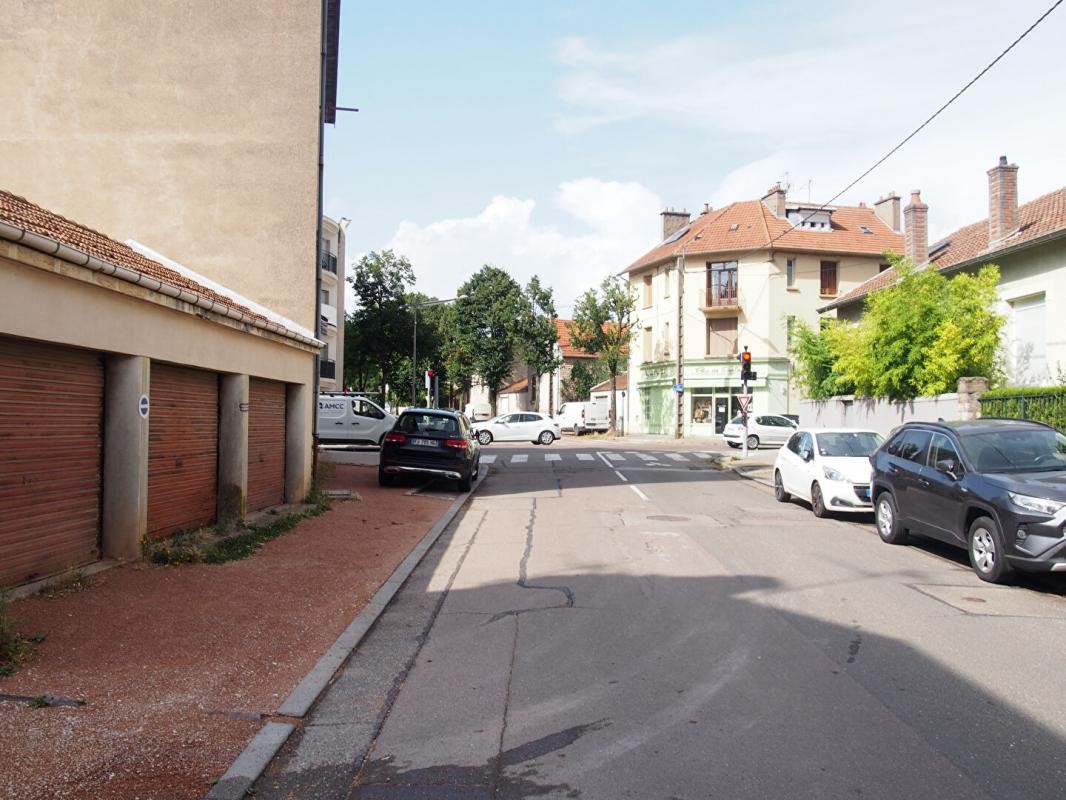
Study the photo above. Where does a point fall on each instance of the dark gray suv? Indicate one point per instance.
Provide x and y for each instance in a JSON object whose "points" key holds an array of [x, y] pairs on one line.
{"points": [[996, 487]]}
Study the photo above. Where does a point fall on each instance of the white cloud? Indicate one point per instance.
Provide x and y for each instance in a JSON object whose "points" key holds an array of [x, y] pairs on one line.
{"points": [[822, 92], [617, 222]]}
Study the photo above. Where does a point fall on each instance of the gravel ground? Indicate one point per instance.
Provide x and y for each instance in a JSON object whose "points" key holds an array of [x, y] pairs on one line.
{"points": [[176, 665]]}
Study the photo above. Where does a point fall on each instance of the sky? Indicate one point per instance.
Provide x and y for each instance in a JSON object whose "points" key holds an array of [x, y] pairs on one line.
{"points": [[545, 138]]}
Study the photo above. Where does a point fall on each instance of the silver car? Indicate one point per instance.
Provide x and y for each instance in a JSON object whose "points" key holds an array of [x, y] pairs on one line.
{"points": [[771, 429]]}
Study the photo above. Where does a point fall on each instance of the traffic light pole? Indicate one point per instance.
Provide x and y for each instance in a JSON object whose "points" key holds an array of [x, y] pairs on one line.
{"points": [[744, 389]]}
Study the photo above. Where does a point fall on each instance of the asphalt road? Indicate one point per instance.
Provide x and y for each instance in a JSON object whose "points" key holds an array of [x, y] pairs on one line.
{"points": [[636, 624]]}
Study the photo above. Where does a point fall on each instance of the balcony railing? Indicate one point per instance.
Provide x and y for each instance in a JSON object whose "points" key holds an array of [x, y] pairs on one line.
{"points": [[328, 262], [327, 369], [722, 293]]}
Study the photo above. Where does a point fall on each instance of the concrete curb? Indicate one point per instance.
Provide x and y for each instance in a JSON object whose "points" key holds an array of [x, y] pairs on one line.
{"points": [[749, 475], [255, 757]]}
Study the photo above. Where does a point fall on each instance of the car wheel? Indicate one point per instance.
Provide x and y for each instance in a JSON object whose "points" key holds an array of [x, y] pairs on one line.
{"points": [[753, 442], [384, 479], [779, 488], [887, 517], [547, 437], [381, 440], [817, 501], [986, 551], [734, 445], [465, 483], [484, 437]]}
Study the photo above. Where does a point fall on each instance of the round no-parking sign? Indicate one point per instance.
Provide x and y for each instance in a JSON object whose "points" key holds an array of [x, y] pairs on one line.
{"points": [[142, 406]]}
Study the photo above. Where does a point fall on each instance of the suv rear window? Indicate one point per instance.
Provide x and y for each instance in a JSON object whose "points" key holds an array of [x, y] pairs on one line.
{"points": [[427, 423]]}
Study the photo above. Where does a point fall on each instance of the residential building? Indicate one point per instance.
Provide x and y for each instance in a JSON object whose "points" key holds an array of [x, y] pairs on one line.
{"points": [[1028, 243], [332, 273], [737, 277], [550, 385], [138, 398]]}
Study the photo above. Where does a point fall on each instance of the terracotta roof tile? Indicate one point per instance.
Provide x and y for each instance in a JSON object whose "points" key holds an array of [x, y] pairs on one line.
{"points": [[622, 385], [516, 387], [565, 345], [23, 214], [750, 225], [1037, 218]]}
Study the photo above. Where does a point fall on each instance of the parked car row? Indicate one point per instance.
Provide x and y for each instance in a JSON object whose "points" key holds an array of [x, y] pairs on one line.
{"points": [[995, 487]]}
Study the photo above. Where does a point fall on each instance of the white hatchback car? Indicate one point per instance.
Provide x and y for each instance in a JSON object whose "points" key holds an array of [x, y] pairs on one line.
{"points": [[828, 467], [765, 429], [521, 426]]}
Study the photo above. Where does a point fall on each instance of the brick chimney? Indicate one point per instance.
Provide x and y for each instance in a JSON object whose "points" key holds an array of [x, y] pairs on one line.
{"points": [[916, 233], [887, 210], [1002, 200], [774, 199], [673, 221]]}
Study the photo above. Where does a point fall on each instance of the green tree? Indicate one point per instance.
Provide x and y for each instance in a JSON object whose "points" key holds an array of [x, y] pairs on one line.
{"points": [[382, 315], [603, 324], [540, 338], [583, 376], [917, 337], [489, 312]]}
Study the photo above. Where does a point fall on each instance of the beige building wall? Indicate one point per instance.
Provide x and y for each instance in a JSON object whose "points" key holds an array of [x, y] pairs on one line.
{"points": [[191, 127], [331, 329]]}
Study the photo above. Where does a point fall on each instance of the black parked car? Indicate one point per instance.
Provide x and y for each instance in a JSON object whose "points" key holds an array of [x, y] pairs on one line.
{"points": [[430, 441], [994, 486]]}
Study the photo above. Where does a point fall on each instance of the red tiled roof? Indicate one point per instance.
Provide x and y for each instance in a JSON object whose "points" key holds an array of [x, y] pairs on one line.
{"points": [[515, 388], [622, 384], [21, 213], [1037, 218], [750, 225], [567, 348]]}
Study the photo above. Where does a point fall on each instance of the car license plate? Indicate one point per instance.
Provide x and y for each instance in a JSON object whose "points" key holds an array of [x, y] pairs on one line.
{"points": [[424, 442]]}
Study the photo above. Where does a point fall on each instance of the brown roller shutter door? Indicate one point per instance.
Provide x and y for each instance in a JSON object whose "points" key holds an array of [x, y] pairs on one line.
{"points": [[266, 444], [51, 429], [182, 449]]}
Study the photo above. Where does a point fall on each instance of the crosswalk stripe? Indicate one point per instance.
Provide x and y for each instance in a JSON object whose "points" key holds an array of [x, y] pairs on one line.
{"points": [[646, 457], [702, 455], [615, 456], [519, 459], [676, 457], [552, 457], [585, 457], [488, 459]]}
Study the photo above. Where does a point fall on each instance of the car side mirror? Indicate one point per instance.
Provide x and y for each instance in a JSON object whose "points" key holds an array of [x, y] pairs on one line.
{"points": [[949, 467], [806, 455]]}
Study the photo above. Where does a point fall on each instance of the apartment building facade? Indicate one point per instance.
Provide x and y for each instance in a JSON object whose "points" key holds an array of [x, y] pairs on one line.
{"points": [[740, 277], [332, 275]]}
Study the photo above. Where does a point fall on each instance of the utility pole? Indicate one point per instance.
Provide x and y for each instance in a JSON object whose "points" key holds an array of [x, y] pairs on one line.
{"points": [[679, 428]]}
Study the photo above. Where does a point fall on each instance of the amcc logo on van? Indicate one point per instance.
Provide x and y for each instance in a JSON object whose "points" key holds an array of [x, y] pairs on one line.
{"points": [[331, 405]]}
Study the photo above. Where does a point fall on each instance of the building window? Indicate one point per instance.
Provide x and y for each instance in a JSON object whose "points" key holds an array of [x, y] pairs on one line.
{"points": [[666, 340], [646, 345], [829, 278], [721, 283], [882, 267], [668, 275], [1028, 341], [325, 296], [647, 291], [722, 336], [790, 330], [790, 272]]}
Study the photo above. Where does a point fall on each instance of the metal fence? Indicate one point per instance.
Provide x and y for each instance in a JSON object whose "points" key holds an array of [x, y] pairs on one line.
{"points": [[1045, 407]]}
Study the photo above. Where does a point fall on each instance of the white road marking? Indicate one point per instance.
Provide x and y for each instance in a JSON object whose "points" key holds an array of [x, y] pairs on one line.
{"points": [[585, 457], [646, 457], [676, 457], [640, 494], [702, 455], [620, 475], [488, 459], [552, 457], [521, 458], [616, 456]]}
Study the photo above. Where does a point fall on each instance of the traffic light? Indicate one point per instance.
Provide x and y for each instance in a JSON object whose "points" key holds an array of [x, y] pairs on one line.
{"points": [[745, 366]]}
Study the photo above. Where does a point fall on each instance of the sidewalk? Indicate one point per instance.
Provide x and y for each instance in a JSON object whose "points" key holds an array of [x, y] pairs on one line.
{"points": [[758, 466], [179, 666]]}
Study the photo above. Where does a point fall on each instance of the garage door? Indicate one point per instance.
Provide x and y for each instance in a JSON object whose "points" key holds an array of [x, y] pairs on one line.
{"points": [[266, 444], [51, 427], [182, 449]]}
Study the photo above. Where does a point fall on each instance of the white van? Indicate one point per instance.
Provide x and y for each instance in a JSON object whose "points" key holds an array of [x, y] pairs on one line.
{"points": [[476, 412], [352, 419], [582, 417]]}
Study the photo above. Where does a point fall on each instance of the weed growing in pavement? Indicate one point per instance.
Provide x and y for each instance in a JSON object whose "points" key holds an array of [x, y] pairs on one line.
{"points": [[14, 648], [73, 580], [217, 546]]}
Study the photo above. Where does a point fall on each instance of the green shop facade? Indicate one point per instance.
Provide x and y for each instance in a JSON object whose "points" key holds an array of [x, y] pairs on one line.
{"points": [[709, 389]]}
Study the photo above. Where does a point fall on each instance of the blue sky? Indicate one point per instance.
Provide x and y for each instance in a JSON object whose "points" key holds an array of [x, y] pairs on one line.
{"points": [[547, 137]]}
